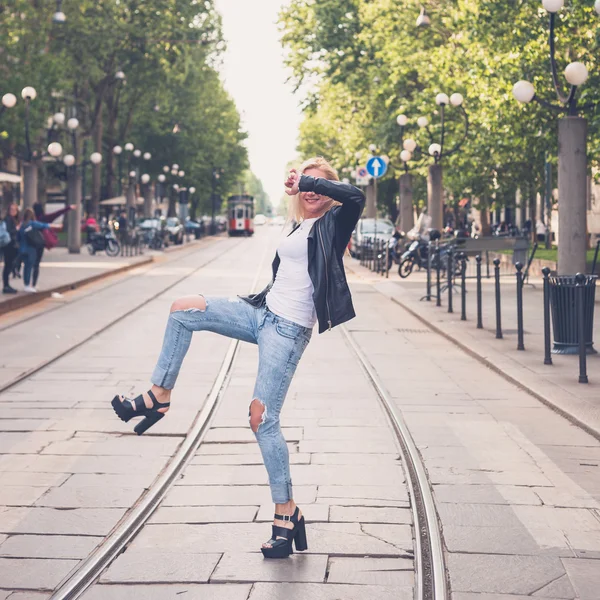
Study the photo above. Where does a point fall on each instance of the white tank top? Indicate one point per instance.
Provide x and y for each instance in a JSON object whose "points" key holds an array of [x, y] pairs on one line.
{"points": [[291, 296]]}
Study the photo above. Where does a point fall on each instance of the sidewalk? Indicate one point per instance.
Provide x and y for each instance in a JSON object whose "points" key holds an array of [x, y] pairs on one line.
{"points": [[61, 271], [556, 385]]}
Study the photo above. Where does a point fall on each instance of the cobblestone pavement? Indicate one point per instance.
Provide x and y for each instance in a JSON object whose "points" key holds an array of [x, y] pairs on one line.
{"points": [[517, 486]]}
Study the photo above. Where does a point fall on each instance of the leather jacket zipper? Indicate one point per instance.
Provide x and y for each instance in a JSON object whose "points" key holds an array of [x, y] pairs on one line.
{"points": [[326, 276]]}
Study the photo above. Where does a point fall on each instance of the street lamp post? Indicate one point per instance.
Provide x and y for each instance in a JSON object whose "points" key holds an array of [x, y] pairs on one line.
{"points": [[435, 189], [572, 153], [406, 218], [216, 175], [30, 165]]}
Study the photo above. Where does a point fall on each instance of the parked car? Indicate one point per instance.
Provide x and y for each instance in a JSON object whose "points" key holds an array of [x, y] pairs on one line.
{"points": [[154, 233], [175, 229], [260, 219], [376, 229]]}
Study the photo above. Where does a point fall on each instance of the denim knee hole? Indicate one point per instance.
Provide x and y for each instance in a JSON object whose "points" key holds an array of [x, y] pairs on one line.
{"points": [[253, 414]]}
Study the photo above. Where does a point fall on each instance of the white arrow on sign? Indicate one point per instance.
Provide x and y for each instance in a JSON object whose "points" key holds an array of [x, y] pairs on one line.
{"points": [[377, 167]]}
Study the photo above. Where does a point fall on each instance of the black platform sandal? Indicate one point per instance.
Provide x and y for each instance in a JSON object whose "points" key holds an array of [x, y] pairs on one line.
{"points": [[125, 411], [282, 548]]}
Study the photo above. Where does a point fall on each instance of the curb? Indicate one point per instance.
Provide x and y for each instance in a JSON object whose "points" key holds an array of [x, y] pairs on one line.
{"points": [[29, 299], [549, 403]]}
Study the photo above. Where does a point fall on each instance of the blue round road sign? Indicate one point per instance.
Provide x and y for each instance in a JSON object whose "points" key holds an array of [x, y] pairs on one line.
{"points": [[376, 167]]}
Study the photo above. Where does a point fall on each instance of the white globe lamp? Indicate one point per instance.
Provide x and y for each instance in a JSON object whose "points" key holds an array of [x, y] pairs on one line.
{"points": [[69, 160], [73, 124], [161, 178], [147, 156], [422, 121], [145, 178], [192, 190], [409, 144], [9, 100], [129, 147], [442, 99], [405, 155], [553, 6], [576, 73], [117, 150], [132, 174], [55, 149], [96, 158], [137, 153], [435, 149], [28, 93], [523, 91], [59, 118], [402, 120], [456, 99]]}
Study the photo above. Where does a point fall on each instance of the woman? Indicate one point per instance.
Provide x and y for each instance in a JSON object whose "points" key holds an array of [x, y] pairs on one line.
{"points": [[30, 240], [50, 240], [308, 285], [11, 250]]}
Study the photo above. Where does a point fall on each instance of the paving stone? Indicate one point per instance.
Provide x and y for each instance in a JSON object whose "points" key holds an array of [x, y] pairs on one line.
{"points": [[559, 588], [149, 447], [49, 546], [354, 459], [563, 519], [469, 596], [30, 479], [109, 480], [358, 491], [398, 572], [90, 497], [478, 515], [499, 574], [362, 514], [248, 449], [340, 432], [586, 544], [204, 514], [241, 459], [311, 512], [323, 538], [565, 499], [363, 502], [398, 535], [33, 574], [24, 424], [19, 495], [217, 475], [506, 540], [244, 434], [244, 567], [29, 595], [84, 521], [237, 495], [386, 446], [30, 442], [47, 465], [583, 575], [318, 591], [486, 494], [168, 592], [160, 567]]}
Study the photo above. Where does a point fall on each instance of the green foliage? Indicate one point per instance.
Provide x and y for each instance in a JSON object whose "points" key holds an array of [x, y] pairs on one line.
{"points": [[169, 51], [362, 62]]}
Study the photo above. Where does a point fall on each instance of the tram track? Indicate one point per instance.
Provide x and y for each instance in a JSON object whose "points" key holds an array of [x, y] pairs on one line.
{"points": [[430, 573], [84, 575], [43, 364]]}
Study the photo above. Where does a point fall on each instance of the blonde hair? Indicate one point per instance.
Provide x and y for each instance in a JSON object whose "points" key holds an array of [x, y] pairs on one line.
{"points": [[317, 162]]}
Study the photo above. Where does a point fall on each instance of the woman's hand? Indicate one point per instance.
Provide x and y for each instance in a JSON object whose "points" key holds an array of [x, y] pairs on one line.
{"points": [[292, 183]]}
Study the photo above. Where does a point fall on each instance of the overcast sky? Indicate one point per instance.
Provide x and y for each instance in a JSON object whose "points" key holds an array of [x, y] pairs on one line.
{"points": [[254, 75]]}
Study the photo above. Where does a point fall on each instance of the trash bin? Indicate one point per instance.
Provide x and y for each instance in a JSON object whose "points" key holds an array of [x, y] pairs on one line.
{"points": [[563, 302]]}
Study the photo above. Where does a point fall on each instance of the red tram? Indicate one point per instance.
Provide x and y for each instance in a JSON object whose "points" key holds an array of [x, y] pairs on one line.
{"points": [[240, 215]]}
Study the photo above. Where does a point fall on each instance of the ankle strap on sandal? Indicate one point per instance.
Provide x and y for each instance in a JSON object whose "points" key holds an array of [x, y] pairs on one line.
{"points": [[293, 518]]}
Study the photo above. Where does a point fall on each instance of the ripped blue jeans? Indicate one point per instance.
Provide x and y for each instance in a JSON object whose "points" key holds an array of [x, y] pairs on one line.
{"points": [[280, 345]]}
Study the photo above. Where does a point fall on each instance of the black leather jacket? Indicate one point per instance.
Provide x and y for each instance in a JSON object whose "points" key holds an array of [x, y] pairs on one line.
{"points": [[327, 242]]}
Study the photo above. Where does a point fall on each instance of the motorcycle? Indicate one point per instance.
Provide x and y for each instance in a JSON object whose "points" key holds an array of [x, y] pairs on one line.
{"points": [[105, 241], [417, 253]]}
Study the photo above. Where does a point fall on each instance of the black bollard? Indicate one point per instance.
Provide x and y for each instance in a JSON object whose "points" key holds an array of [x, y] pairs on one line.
{"points": [[463, 284], [520, 342], [479, 308], [387, 261], [438, 301], [580, 290], [428, 294], [498, 309], [547, 356], [449, 275]]}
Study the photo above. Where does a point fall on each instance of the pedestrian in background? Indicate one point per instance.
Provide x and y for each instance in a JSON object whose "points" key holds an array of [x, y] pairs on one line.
{"points": [[50, 239], [30, 241], [305, 289], [11, 249]]}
